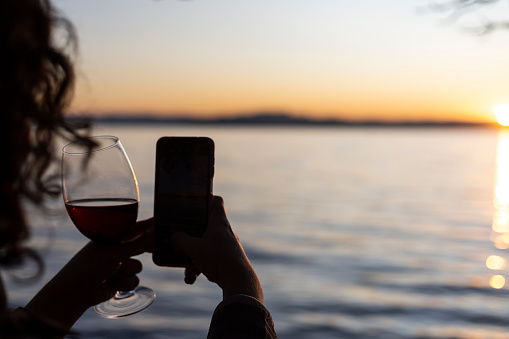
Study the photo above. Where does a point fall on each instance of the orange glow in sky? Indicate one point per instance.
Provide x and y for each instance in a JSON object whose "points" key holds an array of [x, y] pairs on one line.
{"points": [[352, 60]]}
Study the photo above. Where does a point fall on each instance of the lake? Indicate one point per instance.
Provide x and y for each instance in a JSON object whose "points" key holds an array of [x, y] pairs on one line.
{"points": [[354, 232]]}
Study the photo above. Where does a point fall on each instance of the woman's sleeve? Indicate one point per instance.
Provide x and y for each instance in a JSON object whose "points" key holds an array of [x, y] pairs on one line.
{"points": [[241, 316], [22, 324]]}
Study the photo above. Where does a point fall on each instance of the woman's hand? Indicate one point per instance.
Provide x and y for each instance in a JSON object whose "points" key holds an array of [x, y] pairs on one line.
{"points": [[219, 256], [92, 276], [102, 270]]}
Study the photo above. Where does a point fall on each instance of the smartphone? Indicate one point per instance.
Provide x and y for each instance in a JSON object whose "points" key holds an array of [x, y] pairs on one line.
{"points": [[183, 190]]}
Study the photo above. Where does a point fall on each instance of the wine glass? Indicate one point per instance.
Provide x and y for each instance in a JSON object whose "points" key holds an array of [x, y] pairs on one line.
{"points": [[101, 196]]}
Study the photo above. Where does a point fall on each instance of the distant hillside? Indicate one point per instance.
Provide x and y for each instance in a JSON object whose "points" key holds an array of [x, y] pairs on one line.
{"points": [[273, 119]]}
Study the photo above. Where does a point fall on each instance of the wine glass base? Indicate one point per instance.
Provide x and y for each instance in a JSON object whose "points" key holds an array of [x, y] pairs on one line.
{"points": [[127, 304]]}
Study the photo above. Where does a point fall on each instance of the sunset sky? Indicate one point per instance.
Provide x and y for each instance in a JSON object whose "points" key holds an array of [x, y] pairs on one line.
{"points": [[354, 59]]}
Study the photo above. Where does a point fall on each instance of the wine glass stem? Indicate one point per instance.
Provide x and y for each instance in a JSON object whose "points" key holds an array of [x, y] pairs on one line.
{"points": [[122, 295]]}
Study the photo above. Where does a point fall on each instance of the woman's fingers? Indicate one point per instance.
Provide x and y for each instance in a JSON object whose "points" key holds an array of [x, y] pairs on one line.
{"points": [[141, 238], [191, 274], [127, 284], [125, 278], [128, 267]]}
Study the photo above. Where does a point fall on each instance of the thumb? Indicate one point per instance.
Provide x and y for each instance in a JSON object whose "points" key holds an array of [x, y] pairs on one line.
{"points": [[184, 242], [218, 220]]}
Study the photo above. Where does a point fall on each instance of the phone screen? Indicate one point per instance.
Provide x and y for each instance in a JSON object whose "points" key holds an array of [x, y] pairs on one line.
{"points": [[184, 171]]}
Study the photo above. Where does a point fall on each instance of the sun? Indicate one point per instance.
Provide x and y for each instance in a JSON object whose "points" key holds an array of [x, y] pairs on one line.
{"points": [[502, 113]]}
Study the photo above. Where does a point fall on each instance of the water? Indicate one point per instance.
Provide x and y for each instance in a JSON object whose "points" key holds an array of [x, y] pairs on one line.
{"points": [[354, 232]]}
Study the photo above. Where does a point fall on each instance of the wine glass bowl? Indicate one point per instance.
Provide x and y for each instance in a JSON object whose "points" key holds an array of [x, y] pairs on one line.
{"points": [[103, 221], [101, 196], [100, 189]]}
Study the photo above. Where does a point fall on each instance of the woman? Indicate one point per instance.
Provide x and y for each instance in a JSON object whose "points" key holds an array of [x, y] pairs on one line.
{"points": [[36, 82]]}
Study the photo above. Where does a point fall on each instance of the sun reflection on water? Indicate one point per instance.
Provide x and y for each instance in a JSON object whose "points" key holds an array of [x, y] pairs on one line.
{"points": [[497, 281], [495, 262], [500, 225]]}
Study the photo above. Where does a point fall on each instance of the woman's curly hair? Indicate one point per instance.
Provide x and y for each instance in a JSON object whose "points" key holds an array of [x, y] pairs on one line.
{"points": [[36, 85]]}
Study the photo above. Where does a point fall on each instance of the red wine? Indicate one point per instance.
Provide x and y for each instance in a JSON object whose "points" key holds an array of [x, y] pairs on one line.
{"points": [[103, 220]]}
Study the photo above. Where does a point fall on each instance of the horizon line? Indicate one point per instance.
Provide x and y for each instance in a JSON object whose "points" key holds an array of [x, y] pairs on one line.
{"points": [[267, 118]]}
